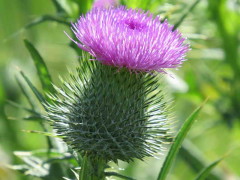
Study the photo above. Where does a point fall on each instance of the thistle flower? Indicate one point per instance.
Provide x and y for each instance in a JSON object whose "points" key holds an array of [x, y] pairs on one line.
{"points": [[106, 112], [130, 38]]}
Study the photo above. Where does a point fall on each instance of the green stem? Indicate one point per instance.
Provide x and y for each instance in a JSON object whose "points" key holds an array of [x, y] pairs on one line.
{"points": [[92, 168]]}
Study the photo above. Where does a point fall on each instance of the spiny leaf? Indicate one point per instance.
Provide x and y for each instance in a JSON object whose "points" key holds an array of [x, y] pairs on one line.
{"points": [[205, 172], [177, 144], [42, 70], [185, 15]]}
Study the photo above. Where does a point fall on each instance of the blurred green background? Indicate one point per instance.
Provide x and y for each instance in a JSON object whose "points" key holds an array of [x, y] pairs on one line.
{"points": [[212, 71]]}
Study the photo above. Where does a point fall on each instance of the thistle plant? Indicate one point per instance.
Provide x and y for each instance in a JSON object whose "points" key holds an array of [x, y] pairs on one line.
{"points": [[113, 108]]}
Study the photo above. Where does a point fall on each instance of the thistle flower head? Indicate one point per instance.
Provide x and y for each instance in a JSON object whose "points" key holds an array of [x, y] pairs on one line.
{"points": [[109, 113], [130, 38]]}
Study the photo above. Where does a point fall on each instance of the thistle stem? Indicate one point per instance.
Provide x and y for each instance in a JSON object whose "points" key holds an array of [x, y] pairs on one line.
{"points": [[92, 168]]}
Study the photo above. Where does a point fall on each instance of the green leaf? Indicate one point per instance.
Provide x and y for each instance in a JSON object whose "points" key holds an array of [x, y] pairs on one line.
{"points": [[84, 6], [33, 88], [41, 153], [58, 6], [185, 14], [16, 105], [33, 166], [34, 118], [46, 18], [25, 93], [42, 70], [75, 174], [38, 21], [42, 101], [118, 175], [205, 172], [195, 159], [177, 144], [84, 169]]}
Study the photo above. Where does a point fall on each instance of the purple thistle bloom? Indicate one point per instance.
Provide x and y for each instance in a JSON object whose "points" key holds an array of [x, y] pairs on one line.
{"points": [[130, 38], [105, 3]]}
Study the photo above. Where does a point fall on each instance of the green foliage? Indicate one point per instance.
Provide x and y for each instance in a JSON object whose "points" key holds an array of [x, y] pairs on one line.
{"points": [[177, 144], [42, 70], [37, 165], [228, 27], [205, 172], [186, 14], [39, 96], [195, 159]]}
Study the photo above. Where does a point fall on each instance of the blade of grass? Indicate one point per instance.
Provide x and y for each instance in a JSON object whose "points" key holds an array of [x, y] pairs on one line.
{"points": [[177, 144], [205, 172], [42, 70], [185, 15]]}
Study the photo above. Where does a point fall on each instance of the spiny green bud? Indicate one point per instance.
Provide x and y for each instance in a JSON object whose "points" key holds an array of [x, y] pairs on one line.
{"points": [[110, 113]]}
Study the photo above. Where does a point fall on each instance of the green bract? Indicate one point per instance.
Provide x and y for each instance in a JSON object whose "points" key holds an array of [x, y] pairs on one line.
{"points": [[110, 113]]}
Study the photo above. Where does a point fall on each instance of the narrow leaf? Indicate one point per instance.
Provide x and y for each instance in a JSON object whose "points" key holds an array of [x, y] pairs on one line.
{"points": [[34, 118], [38, 21], [75, 174], [185, 15], [205, 172], [84, 6], [25, 93], [195, 159], [58, 6], [16, 105], [84, 169], [41, 67], [33, 88], [177, 144], [118, 175]]}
